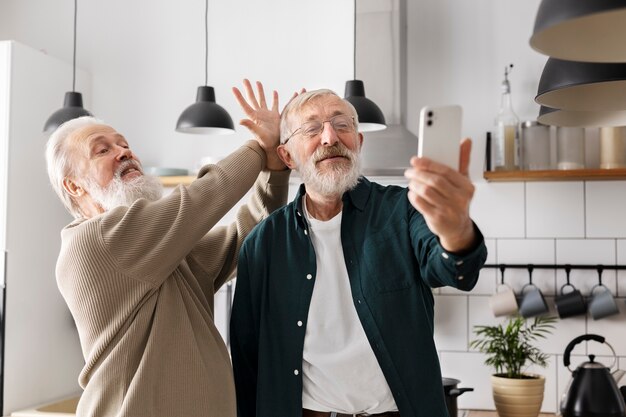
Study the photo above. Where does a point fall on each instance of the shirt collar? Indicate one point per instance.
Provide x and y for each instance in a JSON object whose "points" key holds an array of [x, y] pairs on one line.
{"points": [[358, 197]]}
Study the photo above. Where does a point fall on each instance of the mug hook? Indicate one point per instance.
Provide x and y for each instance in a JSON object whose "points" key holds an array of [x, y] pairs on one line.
{"points": [[530, 274], [502, 268], [568, 269], [600, 268]]}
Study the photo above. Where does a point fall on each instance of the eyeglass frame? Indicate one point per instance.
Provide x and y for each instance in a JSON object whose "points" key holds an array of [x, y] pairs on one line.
{"points": [[323, 126]]}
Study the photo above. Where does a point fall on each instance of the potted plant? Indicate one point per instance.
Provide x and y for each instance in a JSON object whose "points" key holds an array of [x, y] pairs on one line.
{"points": [[510, 350]]}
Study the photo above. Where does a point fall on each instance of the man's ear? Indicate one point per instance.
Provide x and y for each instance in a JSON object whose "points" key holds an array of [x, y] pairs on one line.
{"points": [[72, 188], [360, 139], [285, 156]]}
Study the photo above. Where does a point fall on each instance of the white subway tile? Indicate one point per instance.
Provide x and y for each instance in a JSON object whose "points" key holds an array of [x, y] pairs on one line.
{"points": [[480, 314], [555, 209], [471, 370], [498, 209], [528, 251], [586, 252], [605, 208], [451, 322], [612, 328], [621, 275], [564, 331]]}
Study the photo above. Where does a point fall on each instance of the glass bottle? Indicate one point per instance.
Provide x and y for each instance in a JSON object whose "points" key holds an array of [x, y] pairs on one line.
{"points": [[506, 143]]}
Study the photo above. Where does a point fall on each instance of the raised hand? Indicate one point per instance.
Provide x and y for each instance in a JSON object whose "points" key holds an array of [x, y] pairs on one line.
{"points": [[263, 122], [443, 196]]}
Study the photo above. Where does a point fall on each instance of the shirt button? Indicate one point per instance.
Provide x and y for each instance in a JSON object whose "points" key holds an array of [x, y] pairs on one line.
{"points": [[460, 278], [459, 263], [358, 301], [305, 232], [295, 372], [309, 276], [298, 213], [299, 323], [445, 255]]}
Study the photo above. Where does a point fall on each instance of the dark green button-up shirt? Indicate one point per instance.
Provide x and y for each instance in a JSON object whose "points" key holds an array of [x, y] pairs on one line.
{"points": [[392, 259]]}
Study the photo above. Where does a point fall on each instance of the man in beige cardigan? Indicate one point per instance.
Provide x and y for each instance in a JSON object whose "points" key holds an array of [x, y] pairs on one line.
{"points": [[139, 272]]}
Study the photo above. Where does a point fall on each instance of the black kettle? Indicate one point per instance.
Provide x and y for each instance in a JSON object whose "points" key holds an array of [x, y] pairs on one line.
{"points": [[592, 392]]}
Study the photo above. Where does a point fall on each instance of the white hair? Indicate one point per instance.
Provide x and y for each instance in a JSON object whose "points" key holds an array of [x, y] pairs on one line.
{"points": [[59, 159], [299, 102]]}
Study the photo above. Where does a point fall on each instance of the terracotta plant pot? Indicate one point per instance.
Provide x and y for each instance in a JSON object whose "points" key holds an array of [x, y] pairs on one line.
{"points": [[518, 397]]}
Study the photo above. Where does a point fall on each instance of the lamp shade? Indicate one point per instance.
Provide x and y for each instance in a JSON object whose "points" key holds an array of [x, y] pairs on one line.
{"points": [[582, 86], [573, 118], [72, 108], [371, 118], [581, 30], [205, 116]]}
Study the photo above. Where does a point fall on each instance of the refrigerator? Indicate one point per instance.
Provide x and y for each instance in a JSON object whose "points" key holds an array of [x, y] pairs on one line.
{"points": [[40, 355]]}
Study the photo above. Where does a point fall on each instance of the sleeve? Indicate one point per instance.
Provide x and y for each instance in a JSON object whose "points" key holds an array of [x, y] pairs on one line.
{"points": [[244, 338], [218, 250], [439, 267], [148, 240]]}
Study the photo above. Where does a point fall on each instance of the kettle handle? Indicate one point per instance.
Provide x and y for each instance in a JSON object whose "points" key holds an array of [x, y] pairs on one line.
{"points": [[595, 337], [579, 339]]}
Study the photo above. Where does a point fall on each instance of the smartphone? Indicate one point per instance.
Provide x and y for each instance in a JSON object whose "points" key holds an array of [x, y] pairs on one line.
{"points": [[440, 134]]}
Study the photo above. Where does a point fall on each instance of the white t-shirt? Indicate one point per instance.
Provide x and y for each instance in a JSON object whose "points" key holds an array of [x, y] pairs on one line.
{"points": [[340, 371]]}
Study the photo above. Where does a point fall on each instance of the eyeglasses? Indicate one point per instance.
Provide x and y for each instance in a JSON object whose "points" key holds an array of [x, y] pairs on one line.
{"points": [[340, 123]]}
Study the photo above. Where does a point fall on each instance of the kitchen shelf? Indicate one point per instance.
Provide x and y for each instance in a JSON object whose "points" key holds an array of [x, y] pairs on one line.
{"points": [[557, 175], [173, 181]]}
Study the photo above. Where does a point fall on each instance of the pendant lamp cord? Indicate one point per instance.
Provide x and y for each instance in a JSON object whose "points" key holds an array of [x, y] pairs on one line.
{"points": [[354, 58], [206, 42], [74, 57]]}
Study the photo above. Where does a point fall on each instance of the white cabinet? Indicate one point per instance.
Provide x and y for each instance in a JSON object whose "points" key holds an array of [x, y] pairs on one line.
{"points": [[41, 351]]}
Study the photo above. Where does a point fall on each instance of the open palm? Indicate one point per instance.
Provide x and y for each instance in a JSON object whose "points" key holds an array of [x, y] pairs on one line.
{"points": [[262, 121]]}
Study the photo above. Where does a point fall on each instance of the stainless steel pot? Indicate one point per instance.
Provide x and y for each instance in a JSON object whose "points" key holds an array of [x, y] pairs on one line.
{"points": [[452, 392]]}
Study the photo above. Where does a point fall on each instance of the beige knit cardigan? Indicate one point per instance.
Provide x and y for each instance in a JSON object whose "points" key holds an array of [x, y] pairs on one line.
{"points": [[140, 282]]}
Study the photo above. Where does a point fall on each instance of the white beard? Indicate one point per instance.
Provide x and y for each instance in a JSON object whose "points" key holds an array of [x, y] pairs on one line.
{"points": [[124, 193], [336, 181]]}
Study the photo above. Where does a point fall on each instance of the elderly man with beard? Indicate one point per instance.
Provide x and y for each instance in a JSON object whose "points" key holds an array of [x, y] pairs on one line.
{"points": [[139, 272], [333, 309]]}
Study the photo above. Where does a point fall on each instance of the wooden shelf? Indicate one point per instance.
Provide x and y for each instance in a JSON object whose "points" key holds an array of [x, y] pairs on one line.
{"points": [[557, 175], [173, 181]]}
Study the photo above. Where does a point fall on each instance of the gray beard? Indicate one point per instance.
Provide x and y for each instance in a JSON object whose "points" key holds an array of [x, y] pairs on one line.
{"points": [[332, 182], [124, 193]]}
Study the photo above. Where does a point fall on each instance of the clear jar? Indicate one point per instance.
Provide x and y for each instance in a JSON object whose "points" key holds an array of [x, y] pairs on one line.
{"points": [[612, 147], [535, 146], [570, 147]]}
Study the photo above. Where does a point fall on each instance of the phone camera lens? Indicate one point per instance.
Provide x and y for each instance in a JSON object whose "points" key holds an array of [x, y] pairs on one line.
{"points": [[429, 123], [430, 114]]}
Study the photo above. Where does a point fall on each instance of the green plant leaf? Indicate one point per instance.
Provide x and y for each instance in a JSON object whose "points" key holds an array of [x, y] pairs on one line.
{"points": [[509, 346]]}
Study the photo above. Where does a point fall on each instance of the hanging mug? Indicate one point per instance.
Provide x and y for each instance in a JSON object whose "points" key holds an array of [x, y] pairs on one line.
{"points": [[602, 302], [572, 303], [532, 304], [503, 302]]}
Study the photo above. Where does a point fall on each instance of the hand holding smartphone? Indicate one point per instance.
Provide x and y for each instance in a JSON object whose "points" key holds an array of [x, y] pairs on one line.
{"points": [[440, 134]]}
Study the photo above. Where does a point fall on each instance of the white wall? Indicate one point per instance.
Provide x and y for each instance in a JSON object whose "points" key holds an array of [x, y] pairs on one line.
{"points": [[42, 356], [147, 59]]}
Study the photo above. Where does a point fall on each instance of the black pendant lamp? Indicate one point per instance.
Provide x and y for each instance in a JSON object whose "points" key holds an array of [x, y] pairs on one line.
{"points": [[583, 86], [73, 102], [573, 118], [205, 116], [581, 30], [371, 118]]}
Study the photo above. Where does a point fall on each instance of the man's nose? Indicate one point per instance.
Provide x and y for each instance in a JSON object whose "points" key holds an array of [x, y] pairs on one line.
{"points": [[124, 153], [329, 136]]}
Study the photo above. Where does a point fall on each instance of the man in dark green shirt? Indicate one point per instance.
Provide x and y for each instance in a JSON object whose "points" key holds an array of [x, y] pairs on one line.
{"points": [[333, 310]]}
